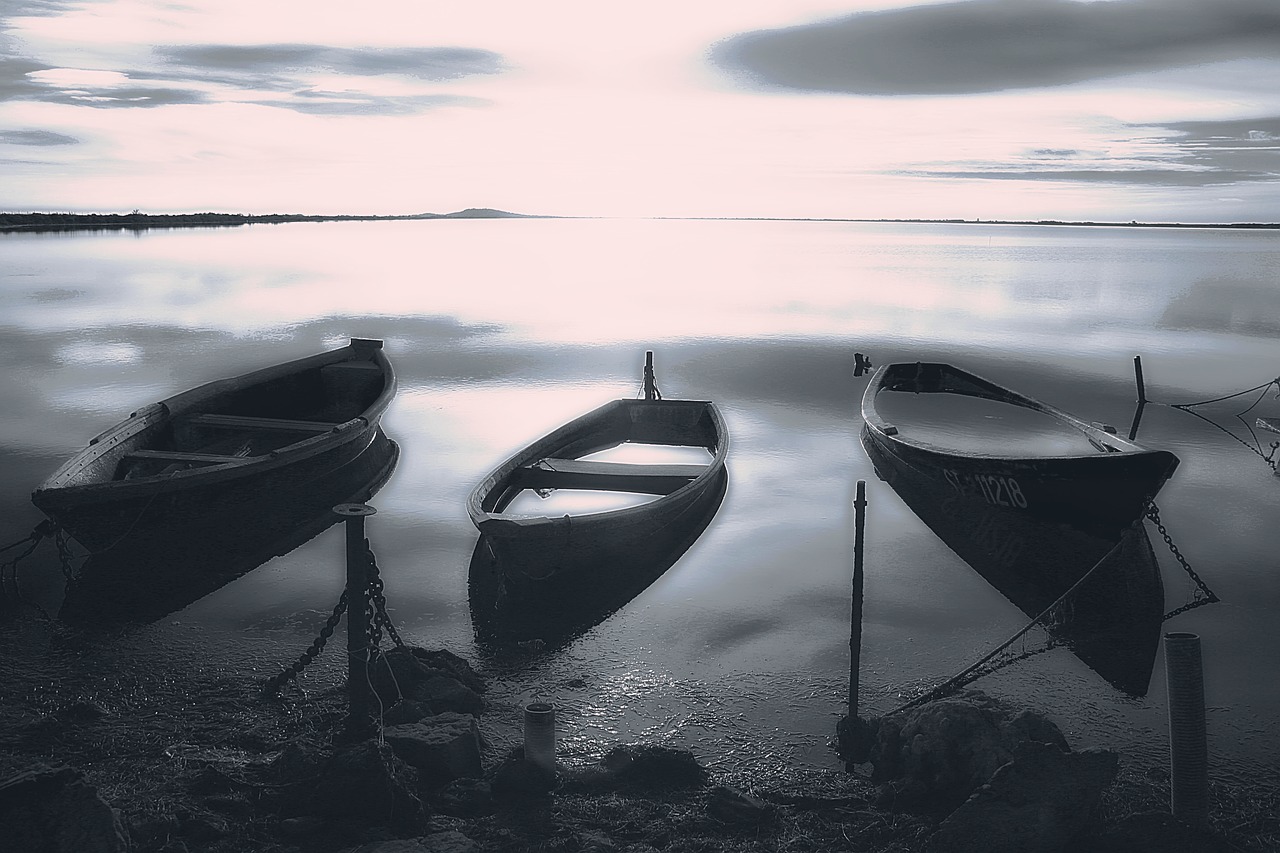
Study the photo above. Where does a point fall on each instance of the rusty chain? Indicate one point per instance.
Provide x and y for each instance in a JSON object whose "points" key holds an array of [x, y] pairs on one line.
{"points": [[1202, 595], [377, 620]]}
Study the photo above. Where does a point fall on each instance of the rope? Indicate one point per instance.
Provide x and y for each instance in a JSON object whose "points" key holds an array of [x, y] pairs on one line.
{"points": [[1256, 447], [972, 672]]}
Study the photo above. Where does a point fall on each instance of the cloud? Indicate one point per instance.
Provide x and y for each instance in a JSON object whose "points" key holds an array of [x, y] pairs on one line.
{"points": [[355, 103], [282, 67], [287, 60], [107, 97], [995, 45], [290, 69], [1178, 154], [1140, 177], [35, 137]]}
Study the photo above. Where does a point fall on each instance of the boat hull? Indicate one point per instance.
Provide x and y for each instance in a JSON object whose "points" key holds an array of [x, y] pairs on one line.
{"points": [[507, 605], [1102, 490], [1111, 620], [166, 574]]}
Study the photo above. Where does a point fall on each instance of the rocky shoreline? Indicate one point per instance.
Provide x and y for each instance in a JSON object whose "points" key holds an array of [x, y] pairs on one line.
{"points": [[286, 776]]}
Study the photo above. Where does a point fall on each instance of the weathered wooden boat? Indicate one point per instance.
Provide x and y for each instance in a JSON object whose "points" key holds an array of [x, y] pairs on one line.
{"points": [[1110, 616], [1094, 478], [223, 451], [544, 558], [128, 585]]}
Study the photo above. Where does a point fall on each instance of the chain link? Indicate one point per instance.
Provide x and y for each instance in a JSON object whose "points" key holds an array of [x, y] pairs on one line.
{"points": [[1202, 594], [277, 682], [376, 621], [379, 602]]}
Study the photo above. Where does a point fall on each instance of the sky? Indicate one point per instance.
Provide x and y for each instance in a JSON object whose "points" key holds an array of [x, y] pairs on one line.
{"points": [[1108, 110]]}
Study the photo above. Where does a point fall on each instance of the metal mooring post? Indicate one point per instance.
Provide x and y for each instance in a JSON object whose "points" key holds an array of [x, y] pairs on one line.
{"points": [[1188, 751], [855, 620], [359, 704]]}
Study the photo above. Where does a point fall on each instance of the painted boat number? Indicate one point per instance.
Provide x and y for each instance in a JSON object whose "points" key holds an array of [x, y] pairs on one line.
{"points": [[997, 490]]}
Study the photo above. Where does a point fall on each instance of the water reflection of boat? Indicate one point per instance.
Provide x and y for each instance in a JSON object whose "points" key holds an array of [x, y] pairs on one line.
{"points": [[1111, 621], [1095, 479], [199, 458], [562, 606], [539, 550], [144, 584]]}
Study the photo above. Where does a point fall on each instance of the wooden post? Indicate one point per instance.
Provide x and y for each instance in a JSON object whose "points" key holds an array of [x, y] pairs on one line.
{"points": [[855, 620], [359, 699], [1142, 397]]}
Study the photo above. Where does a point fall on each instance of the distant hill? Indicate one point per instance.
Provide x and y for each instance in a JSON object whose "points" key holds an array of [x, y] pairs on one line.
{"points": [[142, 221]]}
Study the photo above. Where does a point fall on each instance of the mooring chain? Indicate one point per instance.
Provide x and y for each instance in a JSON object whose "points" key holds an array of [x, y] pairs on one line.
{"points": [[9, 568], [1202, 595], [380, 619], [376, 621], [276, 682], [65, 557]]}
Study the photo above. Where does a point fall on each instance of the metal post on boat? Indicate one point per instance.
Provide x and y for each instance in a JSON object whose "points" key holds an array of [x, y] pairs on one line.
{"points": [[1188, 751], [650, 384], [359, 705], [1142, 397]]}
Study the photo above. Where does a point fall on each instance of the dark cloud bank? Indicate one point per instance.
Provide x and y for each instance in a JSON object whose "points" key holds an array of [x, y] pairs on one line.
{"points": [[994, 45]]}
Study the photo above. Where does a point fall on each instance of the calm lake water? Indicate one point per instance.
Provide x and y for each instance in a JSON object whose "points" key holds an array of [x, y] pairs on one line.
{"points": [[501, 330]]}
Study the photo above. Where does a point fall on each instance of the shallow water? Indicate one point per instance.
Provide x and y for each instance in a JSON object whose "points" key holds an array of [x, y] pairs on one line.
{"points": [[502, 330]]}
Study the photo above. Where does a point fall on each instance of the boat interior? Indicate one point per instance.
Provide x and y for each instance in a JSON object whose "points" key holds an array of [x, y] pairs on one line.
{"points": [[643, 450], [255, 420]]}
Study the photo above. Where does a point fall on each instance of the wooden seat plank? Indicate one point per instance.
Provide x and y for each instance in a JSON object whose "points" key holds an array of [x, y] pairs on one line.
{"points": [[607, 476], [251, 422], [182, 456]]}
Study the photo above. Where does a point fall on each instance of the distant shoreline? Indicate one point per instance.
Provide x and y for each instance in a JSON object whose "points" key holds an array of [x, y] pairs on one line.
{"points": [[144, 221]]}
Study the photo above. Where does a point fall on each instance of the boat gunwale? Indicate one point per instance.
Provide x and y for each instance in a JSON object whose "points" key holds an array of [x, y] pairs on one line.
{"points": [[56, 486], [885, 432], [498, 479]]}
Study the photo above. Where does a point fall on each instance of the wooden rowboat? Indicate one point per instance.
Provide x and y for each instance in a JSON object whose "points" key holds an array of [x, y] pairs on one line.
{"points": [[542, 557], [1084, 474], [223, 452]]}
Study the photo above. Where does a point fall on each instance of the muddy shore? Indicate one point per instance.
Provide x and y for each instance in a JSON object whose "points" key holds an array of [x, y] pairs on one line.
{"points": [[174, 749]]}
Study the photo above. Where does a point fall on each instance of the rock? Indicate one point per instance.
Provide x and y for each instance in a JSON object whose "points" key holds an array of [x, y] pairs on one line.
{"points": [[366, 784], [594, 842], [298, 762], [656, 767], [466, 798], [854, 739], [1037, 803], [300, 827], [443, 747], [450, 841], [405, 711], [1154, 832], [931, 758], [439, 680], [54, 809], [737, 808]]}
